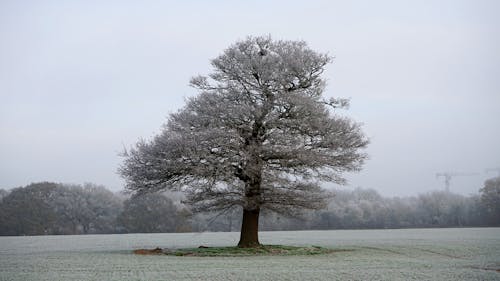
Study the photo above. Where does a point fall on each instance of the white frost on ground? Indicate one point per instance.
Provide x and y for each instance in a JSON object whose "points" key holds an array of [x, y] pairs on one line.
{"points": [[410, 254]]}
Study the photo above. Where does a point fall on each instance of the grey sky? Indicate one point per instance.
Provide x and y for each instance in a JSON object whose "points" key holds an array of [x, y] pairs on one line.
{"points": [[81, 79]]}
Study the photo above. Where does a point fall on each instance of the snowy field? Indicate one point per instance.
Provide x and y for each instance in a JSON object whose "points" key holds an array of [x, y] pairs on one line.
{"points": [[409, 254]]}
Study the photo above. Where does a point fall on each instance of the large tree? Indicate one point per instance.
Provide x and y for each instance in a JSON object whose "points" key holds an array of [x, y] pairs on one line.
{"points": [[259, 135]]}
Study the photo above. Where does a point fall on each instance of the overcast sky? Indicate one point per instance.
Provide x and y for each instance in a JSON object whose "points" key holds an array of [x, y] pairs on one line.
{"points": [[79, 80]]}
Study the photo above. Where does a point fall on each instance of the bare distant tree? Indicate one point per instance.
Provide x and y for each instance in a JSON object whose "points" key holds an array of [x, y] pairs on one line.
{"points": [[259, 135], [87, 209]]}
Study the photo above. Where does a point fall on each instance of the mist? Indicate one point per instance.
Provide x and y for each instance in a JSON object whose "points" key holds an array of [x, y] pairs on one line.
{"points": [[81, 80]]}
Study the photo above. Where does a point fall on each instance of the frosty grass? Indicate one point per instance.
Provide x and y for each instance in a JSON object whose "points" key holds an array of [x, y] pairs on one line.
{"points": [[409, 254]]}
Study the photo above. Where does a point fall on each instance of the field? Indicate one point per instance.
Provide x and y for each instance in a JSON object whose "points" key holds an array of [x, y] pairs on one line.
{"points": [[409, 254]]}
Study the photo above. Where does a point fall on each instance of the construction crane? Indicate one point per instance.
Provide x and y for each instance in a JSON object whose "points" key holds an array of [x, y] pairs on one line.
{"points": [[493, 170], [448, 175]]}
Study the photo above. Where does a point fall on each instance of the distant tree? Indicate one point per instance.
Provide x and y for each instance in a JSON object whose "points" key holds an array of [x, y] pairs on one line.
{"points": [[147, 213], [27, 210], [490, 199], [52, 208], [431, 208], [401, 212], [3, 193], [104, 207], [259, 136], [86, 209]]}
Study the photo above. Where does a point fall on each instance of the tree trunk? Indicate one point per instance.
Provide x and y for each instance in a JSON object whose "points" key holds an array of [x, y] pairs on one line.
{"points": [[249, 236]]}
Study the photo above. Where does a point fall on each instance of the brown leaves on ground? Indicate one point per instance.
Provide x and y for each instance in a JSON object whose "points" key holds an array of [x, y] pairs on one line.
{"points": [[156, 251]]}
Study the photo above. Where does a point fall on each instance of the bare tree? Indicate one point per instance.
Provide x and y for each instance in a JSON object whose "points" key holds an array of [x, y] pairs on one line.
{"points": [[89, 208], [259, 135]]}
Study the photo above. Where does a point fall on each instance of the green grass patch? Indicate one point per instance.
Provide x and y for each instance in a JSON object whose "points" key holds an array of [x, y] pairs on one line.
{"points": [[263, 250]]}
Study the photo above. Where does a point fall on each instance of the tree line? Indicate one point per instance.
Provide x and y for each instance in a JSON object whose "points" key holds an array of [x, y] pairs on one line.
{"points": [[53, 208], [48, 208]]}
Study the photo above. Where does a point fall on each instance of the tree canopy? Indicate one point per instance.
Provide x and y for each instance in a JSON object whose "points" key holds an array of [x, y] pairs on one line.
{"points": [[490, 197], [259, 135]]}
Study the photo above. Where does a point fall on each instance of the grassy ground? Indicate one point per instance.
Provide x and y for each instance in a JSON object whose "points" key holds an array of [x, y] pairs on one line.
{"points": [[263, 250], [411, 254]]}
